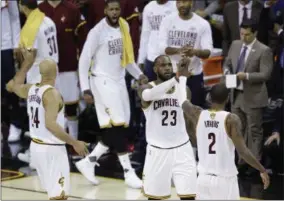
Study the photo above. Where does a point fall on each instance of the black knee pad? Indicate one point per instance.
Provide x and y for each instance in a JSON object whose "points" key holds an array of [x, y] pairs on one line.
{"points": [[119, 141], [71, 110], [106, 137]]}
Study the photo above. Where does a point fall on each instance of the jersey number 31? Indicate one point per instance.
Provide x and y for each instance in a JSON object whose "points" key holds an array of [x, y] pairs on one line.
{"points": [[35, 121], [52, 45]]}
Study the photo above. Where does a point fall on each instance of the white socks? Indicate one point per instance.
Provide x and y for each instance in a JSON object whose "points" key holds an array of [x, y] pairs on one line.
{"points": [[125, 162], [98, 151], [73, 128]]}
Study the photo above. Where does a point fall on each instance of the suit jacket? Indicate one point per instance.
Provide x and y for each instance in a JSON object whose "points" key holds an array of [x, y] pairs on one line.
{"points": [[231, 27], [258, 65]]}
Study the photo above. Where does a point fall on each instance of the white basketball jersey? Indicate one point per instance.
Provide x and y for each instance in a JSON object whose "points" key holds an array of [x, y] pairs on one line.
{"points": [[36, 114], [47, 48], [216, 151], [165, 123]]}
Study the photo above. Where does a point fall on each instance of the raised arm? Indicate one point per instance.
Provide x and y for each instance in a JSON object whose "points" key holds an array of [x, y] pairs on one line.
{"points": [[191, 111], [17, 85], [233, 126]]}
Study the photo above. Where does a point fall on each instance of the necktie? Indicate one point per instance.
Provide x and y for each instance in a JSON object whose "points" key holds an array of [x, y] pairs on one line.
{"points": [[241, 61], [282, 58], [245, 16]]}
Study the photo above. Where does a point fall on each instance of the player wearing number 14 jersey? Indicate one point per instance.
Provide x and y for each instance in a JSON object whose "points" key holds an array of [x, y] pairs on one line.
{"points": [[169, 151], [218, 133]]}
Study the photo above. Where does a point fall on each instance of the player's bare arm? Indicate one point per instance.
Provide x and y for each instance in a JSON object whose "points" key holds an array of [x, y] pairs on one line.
{"points": [[53, 103], [234, 125], [17, 85]]}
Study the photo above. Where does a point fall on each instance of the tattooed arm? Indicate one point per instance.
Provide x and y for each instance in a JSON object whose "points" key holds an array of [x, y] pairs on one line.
{"points": [[233, 126]]}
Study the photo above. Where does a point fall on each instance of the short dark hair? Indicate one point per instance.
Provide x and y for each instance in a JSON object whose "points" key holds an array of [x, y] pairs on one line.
{"points": [[250, 24], [219, 93], [158, 57], [112, 1], [30, 4]]}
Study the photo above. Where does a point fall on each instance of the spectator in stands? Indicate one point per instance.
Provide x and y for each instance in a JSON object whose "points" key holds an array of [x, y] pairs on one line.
{"points": [[244, 9], [69, 25], [252, 62], [153, 14], [187, 33], [10, 35], [274, 142]]}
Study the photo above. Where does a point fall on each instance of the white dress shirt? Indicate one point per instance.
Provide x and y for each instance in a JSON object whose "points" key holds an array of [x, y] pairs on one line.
{"points": [[249, 49], [241, 11]]}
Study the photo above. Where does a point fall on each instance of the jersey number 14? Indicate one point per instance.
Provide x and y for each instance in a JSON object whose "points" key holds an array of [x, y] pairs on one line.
{"points": [[35, 121]]}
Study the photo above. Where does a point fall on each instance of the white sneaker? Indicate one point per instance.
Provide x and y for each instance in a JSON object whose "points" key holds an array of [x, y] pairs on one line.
{"points": [[87, 169], [14, 134], [132, 180]]}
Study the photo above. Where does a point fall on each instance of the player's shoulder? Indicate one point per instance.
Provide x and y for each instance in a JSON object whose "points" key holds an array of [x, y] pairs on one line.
{"points": [[47, 21], [232, 119], [51, 93], [200, 20], [150, 5], [70, 5], [171, 18]]}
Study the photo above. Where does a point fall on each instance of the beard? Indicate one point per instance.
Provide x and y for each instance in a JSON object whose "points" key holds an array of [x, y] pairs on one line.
{"points": [[165, 78], [111, 21]]}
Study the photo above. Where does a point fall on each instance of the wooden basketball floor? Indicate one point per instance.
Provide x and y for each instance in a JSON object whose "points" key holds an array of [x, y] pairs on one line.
{"points": [[28, 188]]}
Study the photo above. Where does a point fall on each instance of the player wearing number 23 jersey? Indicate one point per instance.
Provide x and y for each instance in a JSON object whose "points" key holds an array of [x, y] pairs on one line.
{"points": [[169, 152]]}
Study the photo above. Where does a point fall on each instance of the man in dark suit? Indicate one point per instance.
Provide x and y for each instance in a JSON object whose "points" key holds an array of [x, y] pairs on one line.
{"points": [[252, 62], [234, 13]]}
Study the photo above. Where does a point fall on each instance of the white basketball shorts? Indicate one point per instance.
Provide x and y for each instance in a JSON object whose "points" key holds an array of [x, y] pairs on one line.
{"points": [[111, 101], [163, 165], [52, 166], [211, 187], [69, 87]]}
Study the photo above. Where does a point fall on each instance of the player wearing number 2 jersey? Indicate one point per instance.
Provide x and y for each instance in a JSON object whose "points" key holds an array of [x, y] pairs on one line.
{"points": [[46, 117], [218, 133], [169, 151]]}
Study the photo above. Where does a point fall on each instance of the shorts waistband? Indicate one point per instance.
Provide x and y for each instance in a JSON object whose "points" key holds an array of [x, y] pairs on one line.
{"points": [[37, 141], [170, 147]]}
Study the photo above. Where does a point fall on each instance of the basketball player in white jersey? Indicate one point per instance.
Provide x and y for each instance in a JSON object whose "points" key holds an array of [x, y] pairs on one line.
{"points": [[45, 42], [102, 54], [46, 48], [169, 151], [46, 116], [218, 133]]}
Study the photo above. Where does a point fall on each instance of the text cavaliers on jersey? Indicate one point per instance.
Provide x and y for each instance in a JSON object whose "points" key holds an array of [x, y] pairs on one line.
{"points": [[165, 124]]}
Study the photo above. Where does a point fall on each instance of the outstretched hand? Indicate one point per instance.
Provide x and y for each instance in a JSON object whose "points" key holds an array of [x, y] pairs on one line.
{"points": [[182, 67]]}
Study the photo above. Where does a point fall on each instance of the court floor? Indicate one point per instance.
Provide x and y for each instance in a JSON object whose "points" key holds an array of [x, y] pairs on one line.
{"points": [[28, 188]]}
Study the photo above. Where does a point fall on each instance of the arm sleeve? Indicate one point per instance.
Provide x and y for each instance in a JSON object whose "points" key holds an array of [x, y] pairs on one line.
{"points": [[15, 22], [156, 92], [163, 36], [86, 57], [265, 68], [145, 34], [182, 90], [207, 41], [134, 70]]}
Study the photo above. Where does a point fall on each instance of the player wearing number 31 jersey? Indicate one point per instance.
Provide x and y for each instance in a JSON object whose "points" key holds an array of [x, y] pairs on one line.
{"points": [[218, 133], [39, 32], [169, 151]]}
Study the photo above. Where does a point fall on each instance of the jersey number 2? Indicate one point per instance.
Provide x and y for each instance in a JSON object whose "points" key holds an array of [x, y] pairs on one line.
{"points": [[173, 113], [52, 45], [212, 137], [35, 120]]}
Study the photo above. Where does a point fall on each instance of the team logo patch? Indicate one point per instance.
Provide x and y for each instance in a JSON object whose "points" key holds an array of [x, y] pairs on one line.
{"points": [[61, 181], [63, 18], [212, 116]]}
